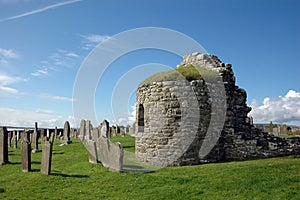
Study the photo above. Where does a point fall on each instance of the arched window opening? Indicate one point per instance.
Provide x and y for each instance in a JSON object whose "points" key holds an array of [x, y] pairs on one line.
{"points": [[141, 122]]}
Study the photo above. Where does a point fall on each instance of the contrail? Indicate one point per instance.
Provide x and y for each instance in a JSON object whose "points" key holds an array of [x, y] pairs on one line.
{"points": [[39, 10]]}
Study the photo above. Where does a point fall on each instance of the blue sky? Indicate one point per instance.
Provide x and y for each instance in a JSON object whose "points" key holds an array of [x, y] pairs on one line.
{"points": [[44, 43]]}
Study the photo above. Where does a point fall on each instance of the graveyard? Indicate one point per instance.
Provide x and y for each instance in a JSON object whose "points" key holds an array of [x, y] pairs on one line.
{"points": [[74, 177]]}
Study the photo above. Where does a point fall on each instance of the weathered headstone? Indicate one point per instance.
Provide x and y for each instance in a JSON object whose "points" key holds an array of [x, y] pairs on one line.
{"points": [[132, 130], [18, 135], [122, 131], [82, 130], [3, 146], [95, 134], [92, 151], [66, 133], [9, 138], [111, 154], [104, 129], [113, 131], [47, 144], [104, 151], [35, 139], [116, 157], [26, 151], [15, 139], [88, 130]]}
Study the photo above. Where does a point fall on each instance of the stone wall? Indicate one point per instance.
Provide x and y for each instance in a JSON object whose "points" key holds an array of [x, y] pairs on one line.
{"points": [[176, 119]]}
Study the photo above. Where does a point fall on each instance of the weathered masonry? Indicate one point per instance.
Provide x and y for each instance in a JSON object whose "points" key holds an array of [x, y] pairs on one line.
{"points": [[179, 112]]}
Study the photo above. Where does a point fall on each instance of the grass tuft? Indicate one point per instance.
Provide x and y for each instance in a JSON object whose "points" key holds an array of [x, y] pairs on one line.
{"points": [[183, 73]]}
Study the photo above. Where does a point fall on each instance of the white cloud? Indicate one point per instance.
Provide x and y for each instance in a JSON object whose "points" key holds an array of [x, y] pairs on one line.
{"points": [[8, 90], [56, 98], [6, 81], [40, 72], [283, 109], [64, 58], [27, 118], [96, 38], [39, 10], [92, 40], [8, 53], [72, 54]]}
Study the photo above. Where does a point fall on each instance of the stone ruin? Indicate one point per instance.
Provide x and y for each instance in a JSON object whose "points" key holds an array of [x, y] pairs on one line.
{"points": [[191, 119]]}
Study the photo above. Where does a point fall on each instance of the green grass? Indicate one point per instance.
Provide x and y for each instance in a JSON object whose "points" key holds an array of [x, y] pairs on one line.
{"points": [[127, 142], [183, 73], [73, 177]]}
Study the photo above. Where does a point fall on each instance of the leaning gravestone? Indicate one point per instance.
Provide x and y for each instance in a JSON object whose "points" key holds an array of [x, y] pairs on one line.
{"points": [[47, 144], [35, 139], [3, 146], [26, 151], [66, 133], [111, 154], [92, 150]]}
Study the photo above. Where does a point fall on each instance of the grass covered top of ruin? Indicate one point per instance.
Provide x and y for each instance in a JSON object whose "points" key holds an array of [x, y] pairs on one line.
{"points": [[188, 73]]}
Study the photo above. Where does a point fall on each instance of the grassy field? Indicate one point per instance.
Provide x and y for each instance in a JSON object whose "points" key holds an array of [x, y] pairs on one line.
{"points": [[73, 177]]}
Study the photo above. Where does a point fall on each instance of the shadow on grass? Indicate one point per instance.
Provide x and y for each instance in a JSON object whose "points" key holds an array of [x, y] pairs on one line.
{"points": [[15, 163], [70, 175], [136, 169], [58, 153]]}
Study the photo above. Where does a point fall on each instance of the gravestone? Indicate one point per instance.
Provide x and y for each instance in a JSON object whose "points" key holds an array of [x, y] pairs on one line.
{"points": [[47, 144], [88, 130], [66, 133], [95, 134], [111, 154], [113, 131], [9, 138], [3, 146], [132, 130], [35, 139], [15, 139], [122, 131], [104, 129], [82, 130], [26, 151], [92, 151], [18, 135]]}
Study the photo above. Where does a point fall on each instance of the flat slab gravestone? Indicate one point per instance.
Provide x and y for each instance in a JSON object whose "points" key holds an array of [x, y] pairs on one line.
{"points": [[3, 146], [26, 151], [47, 144]]}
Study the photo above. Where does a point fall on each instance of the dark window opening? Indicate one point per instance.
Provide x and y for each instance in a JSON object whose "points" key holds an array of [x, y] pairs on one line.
{"points": [[141, 122]]}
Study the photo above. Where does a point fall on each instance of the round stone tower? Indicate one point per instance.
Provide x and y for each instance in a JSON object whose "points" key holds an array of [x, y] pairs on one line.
{"points": [[196, 114]]}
